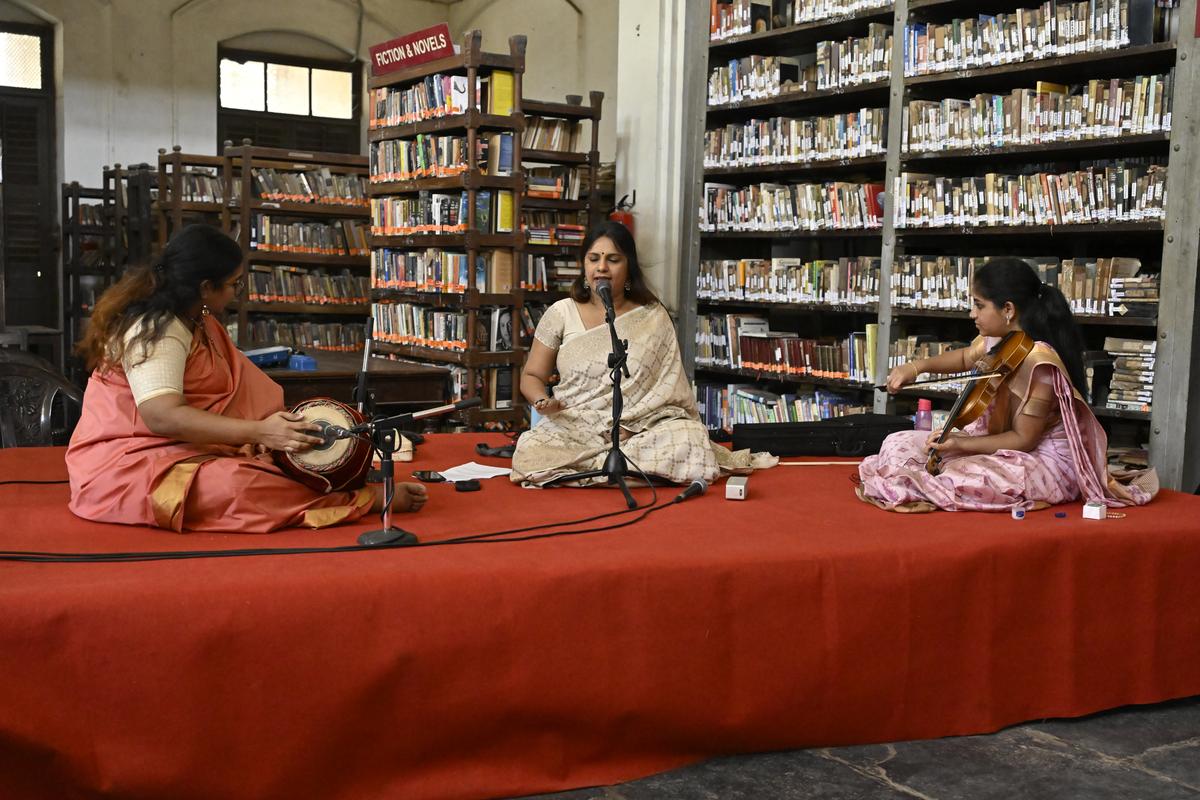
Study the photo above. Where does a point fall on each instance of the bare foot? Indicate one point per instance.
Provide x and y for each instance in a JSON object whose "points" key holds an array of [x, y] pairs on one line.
{"points": [[408, 497]]}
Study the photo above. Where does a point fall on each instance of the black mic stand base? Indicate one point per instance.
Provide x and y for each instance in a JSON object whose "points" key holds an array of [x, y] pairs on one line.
{"points": [[614, 472], [385, 443]]}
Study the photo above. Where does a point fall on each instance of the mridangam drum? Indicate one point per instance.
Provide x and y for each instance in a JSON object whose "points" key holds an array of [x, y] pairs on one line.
{"points": [[337, 465]]}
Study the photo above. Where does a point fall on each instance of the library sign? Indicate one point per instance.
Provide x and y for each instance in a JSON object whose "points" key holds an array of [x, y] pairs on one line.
{"points": [[415, 48]]}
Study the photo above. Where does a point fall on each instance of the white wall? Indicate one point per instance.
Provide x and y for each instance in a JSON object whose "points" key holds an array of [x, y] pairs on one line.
{"points": [[137, 75], [567, 52]]}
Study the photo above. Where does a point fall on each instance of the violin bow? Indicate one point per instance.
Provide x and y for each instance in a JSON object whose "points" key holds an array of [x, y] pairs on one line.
{"points": [[955, 379]]}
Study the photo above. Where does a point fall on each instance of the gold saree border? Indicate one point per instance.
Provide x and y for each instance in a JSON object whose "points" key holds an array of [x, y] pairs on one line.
{"points": [[168, 498]]}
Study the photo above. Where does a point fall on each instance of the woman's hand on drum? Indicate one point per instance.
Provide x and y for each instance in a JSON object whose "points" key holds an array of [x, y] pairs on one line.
{"points": [[286, 431], [901, 376]]}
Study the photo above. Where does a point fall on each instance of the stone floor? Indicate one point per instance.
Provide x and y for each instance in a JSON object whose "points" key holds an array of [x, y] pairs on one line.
{"points": [[1133, 753]]}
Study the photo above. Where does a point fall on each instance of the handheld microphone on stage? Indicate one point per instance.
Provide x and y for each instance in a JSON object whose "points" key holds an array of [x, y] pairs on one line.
{"points": [[604, 289], [698, 487]]}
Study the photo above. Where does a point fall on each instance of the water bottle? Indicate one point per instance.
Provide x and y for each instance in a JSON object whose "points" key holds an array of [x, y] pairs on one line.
{"points": [[923, 421]]}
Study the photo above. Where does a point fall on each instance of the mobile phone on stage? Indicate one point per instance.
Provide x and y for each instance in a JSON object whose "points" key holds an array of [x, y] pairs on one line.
{"points": [[428, 476]]}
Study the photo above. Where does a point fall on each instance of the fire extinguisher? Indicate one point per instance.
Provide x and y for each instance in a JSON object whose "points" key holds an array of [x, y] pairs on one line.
{"points": [[623, 212]]}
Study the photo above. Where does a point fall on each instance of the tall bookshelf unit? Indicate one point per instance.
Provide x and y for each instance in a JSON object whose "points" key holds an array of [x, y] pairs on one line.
{"points": [[584, 210], [129, 195], [1165, 242], [471, 303], [329, 323], [87, 262]]}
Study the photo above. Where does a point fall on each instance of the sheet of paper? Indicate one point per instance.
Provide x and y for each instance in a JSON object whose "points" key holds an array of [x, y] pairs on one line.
{"points": [[473, 471]]}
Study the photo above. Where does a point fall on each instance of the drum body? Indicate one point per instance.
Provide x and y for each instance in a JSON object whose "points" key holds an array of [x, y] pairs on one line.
{"points": [[338, 466]]}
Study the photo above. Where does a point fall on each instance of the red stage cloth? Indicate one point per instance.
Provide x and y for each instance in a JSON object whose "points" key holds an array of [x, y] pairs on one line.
{"points": [[798, 617]]}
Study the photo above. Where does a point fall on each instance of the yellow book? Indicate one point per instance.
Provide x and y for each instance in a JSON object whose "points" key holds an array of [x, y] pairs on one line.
{"points": [[504, 211], [500, 96]]}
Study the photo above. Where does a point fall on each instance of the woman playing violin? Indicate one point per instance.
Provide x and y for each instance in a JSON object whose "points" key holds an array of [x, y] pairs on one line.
{"points": [[1037, 443]]}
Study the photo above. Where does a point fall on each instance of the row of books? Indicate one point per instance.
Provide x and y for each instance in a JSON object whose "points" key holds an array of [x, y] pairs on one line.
{"points": [[1049, 112], [548, 273], [441, 212], [420, 326], [722, 406], [425, 156], [745, 341], [854, 61], [1102, 286], [282, 234], [1131, 387], [1114, 193], [549, 228], [729, 18], [439, 95], [317, 185], [204, 185], [551, 133], [904, 349], [842, 281], [302, 335], [90, 214], [833, 205], [287, 284], [555, 183], [437, 270], [1055, 28], [797, 140]]}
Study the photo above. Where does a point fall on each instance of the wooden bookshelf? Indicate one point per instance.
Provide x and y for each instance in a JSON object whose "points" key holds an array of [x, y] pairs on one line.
{"points": [[179, 200], [476, 302], [586, 209], [242, 217], [1169, 244], [129, 198], [87, 262]]}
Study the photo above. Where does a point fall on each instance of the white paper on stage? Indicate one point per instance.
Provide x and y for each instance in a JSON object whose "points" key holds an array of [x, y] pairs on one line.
{"points": [[473, 471]]}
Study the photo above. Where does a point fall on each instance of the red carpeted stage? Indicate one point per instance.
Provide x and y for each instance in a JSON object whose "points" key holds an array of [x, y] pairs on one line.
{"points": [[799, 617]]}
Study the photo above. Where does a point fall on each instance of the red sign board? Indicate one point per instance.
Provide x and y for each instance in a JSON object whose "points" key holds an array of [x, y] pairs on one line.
{"points": [[415, 48]]}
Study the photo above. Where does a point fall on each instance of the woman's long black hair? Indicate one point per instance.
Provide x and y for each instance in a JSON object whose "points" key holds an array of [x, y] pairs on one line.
{"points": [[1045, 314], [639, 292], [168, 287]]}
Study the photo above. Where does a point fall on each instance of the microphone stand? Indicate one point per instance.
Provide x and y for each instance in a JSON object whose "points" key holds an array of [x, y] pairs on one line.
{"points": [[385, 434], [615, 464]]}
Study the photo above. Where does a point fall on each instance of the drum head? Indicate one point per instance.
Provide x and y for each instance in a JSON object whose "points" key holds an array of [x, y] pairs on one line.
{"points": [[325, 457]]}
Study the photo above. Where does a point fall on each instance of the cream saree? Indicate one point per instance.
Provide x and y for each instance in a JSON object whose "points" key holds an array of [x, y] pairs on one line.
{"points": [[663, 432]]}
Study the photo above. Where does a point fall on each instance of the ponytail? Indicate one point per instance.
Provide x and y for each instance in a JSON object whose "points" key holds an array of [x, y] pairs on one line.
{"points": [[1045, 313], [153, 294]]}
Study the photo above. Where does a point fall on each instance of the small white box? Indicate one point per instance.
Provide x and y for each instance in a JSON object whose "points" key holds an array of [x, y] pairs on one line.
{"points": [[735, 488], [1095, 510]]}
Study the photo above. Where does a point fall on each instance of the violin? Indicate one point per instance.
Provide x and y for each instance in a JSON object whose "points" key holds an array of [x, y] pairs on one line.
{"points": [[998, 365]]}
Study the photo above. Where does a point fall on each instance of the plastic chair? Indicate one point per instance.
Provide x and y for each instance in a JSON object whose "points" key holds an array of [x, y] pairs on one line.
{"points": [[38, 406]]}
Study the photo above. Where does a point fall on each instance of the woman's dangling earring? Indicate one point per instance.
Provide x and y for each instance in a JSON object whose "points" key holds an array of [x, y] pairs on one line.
{"points": [[587, 290], [204, 310], [628, 286]]}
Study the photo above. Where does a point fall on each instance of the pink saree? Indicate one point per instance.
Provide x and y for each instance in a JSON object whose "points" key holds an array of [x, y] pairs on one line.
{"points": [[122, 472], [1069, 463]]}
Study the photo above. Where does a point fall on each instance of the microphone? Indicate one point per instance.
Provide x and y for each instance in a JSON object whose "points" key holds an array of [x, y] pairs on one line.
{"points": [[697, 487], [604, 289], [329, 434], [360, 389]]}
